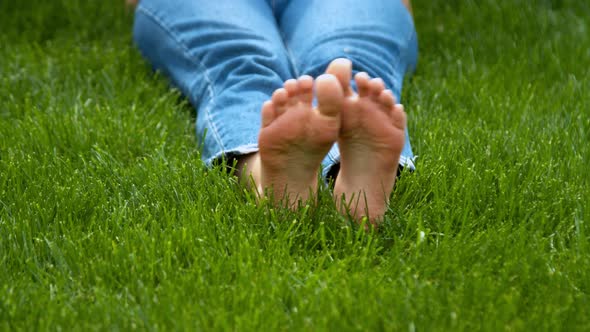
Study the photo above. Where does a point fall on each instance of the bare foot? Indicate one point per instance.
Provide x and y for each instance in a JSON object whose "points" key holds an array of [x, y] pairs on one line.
{"points": [[371, 140], [295, 137]]}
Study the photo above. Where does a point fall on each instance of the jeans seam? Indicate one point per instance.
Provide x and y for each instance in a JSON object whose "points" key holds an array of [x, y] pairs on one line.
{"points": [[292, 60], [411, 36], [203, 68], [404, 56], [288, 52], [397, 80]]}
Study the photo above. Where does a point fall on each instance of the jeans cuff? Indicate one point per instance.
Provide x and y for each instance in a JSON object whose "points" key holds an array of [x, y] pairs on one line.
{"points": [[405, 161], [232, 153]]}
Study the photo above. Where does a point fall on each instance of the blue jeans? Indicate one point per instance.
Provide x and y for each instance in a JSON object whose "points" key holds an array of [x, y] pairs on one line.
{"points": [[229, 56]]}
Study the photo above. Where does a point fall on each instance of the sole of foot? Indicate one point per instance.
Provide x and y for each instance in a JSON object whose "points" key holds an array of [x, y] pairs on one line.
{"points": [[295, 137], [370, 141]]}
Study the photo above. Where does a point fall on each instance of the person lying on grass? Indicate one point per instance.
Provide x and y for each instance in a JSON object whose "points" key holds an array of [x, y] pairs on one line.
{"points": [[272, 82]]}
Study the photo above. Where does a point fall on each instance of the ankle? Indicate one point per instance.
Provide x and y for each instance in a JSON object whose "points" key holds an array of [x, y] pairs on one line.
{"points": [[248, 169]]}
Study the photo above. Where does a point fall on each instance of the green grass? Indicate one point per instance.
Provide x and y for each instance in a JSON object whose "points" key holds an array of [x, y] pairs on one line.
{"points": [[109, 220]]}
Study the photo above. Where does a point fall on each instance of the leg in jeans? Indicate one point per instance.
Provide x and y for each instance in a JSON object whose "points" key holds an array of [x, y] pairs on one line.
{"points": [[228, 57], [378, 36]]}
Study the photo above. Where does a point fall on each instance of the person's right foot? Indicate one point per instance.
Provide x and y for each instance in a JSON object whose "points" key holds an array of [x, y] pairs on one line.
{"points": [[370, 142], [295, 137]]}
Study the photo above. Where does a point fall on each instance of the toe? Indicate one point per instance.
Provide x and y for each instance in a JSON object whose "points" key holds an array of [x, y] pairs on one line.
{"points": [[305, 89], [330, 95], [387, 99], [292, 88], [362, 84], [398, 116], [342, 69], [268, 113], [376, 85], [279, 99]]}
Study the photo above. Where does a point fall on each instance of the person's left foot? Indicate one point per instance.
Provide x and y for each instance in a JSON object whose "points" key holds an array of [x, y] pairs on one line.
{"points": [[370, 142]]}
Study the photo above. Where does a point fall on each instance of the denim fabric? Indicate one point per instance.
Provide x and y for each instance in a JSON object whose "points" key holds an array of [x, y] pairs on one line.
{"points": [[229, 56]]}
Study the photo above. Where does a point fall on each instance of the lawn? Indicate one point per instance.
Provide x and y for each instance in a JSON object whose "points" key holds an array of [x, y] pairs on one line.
{"points": [[110, 221]]}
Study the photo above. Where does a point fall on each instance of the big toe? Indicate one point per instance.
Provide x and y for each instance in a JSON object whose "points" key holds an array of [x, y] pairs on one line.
{"points": [[330, 95], [342, 69]]}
